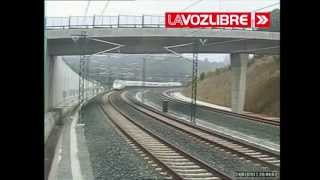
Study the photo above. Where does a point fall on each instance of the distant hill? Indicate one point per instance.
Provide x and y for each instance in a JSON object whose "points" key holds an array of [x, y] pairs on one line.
{"points": [[129, 67], [263, 86]]}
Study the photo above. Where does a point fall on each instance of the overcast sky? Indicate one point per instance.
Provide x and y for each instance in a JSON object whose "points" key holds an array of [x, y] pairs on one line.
{"points": [[138, 7], [57, 8]]}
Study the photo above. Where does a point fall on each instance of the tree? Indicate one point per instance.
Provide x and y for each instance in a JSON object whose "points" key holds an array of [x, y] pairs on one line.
{"points": [[202, 76], [276, 59], [218, 70]]}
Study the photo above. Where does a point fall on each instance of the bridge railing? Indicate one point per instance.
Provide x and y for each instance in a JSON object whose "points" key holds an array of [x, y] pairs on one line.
{"points": [[121, 21]]}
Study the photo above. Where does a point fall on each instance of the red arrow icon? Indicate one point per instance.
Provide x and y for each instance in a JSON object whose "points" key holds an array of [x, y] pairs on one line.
{"points": [[262, 20]]}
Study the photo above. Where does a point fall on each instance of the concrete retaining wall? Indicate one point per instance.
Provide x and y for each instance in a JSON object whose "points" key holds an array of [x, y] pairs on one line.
{"points": [[49, 122], [63, 86]]}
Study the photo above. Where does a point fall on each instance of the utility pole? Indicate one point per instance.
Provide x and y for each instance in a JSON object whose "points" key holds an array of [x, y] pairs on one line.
{"points": [[196, 47], [87, 76], [143, 77], [109, 83], [194, 81], [84, 61], [82, 72]]}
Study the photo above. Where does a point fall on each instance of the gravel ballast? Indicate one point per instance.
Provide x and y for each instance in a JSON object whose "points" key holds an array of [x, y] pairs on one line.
{"points": [[213, 156], [110, 155], [250, 128]]}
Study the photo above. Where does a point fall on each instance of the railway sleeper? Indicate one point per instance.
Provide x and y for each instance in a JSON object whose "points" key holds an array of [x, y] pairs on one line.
{"points": [[267, 158], [185, 166], [199, 170], [188, 163], [169, 154], [166, 159], [206, 178], [253, 153], [260, 156], [194, 175], [274, 161], [157, 147]]}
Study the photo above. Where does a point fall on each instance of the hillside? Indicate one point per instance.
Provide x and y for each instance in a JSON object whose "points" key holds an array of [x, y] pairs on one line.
{"points": [[263, 86], [129, 67]]}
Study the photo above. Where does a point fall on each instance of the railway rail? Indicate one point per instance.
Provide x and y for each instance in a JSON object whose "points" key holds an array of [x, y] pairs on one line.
{"points": [[243, 150], [175, 163], [165, 95]]}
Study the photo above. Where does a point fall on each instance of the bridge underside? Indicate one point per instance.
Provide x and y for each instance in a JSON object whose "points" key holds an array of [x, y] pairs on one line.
{"points": [[153, 41], [238, 43]]}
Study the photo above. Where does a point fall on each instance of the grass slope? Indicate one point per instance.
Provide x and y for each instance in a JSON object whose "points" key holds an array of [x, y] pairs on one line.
{"points": [[262, 92]]}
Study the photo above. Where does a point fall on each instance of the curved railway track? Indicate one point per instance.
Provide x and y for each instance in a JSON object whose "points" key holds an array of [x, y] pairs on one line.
{"points": [[165, 95], [176, 163], [245, 151]]}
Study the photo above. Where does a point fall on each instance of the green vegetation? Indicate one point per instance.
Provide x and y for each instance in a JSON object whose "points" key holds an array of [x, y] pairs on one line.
{"points": [[263, 86], [158, 68], [202, 76]]}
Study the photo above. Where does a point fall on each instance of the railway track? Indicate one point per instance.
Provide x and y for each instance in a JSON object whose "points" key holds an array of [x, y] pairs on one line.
{"points": [[174, 162], [165, 95], [229, 145]]}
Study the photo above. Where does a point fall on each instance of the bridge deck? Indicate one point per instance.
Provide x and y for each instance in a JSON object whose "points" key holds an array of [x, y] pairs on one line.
{"points": [[154, 41]]}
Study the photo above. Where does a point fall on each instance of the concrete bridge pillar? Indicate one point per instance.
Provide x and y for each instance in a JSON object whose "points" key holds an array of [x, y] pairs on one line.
{"points": [[238, 82], [46, 75], [49, 90]]}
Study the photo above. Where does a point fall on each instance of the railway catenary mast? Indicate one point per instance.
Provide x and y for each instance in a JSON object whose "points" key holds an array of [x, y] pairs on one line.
{"points": [[143, 77], [82, 71], [196, 46], [194, 81]]}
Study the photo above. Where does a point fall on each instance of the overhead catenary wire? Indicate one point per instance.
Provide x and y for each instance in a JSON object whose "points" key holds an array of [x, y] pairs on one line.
{"points": [[105, 7], [271, 5], [87, 8], [118, 46], [86, 12], [192, 4], [178, 54], [83, 66]]}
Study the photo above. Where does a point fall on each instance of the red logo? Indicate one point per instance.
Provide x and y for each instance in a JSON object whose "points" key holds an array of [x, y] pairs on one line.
{"points": [[207, 19], [262, 20]]}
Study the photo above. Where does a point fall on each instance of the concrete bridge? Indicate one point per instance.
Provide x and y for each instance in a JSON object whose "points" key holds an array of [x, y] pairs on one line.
{"points": [[140, 38], [157, 40], [138, 35]]}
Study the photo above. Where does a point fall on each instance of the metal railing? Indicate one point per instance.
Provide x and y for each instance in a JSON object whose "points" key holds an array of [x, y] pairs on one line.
{"points": [[121, 21]]}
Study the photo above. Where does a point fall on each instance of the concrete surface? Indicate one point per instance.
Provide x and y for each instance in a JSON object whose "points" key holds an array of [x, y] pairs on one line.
{"points": [[49, 122], [71, 160], [179, 96], [246, 131], [153, 40], [238, 81]]}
